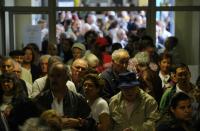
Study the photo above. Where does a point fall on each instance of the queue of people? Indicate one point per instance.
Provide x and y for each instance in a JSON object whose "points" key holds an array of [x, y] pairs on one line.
{"points": [[92, 84]]}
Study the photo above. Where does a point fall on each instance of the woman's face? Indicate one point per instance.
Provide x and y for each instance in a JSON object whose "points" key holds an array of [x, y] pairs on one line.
{"points": [[28, 57], [165, 65], [183, 111], [7, 85], [77, 53], [90, 89]]}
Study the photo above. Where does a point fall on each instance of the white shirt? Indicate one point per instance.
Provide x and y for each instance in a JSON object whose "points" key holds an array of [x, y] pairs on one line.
{"points": [[99, 107], [57, 106], [39, 84], [164, 79], [178, 89]]}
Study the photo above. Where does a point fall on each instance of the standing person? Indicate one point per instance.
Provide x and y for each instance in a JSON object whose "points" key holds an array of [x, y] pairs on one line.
{"points": [[10, 92], [71, 106], [41, 84], [26, 85], [132, 109], [120, 60], [44, 64], [93, 86], [78, 71], [151, 83], [78, 51], [146, 44], [28, 63], [18, 56], [64, 47], [8, 66], [105, 60], [183, 84], [180, 115], [171, 44], [164, 63]]}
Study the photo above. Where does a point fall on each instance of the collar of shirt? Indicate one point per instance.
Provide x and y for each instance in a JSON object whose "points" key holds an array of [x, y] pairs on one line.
{"points": [[57, 106], [164, 78], [178, 89]]}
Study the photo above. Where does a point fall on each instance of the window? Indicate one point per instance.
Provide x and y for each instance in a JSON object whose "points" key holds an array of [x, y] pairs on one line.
{"points": [[32, 3], [174, 15]]}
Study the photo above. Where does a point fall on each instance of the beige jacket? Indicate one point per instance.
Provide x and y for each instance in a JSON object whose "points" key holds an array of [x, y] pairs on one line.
{"points": [[143, 117]]}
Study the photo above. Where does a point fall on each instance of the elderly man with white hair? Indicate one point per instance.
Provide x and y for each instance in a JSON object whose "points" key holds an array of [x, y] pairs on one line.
{"points": [[120, 60]]}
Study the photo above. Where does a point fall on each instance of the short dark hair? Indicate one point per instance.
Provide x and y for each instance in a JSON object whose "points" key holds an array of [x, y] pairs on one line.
{"points": [[180, 96], [146, 41], [164, 56], [181, 65], [96, 79], [171, 42]]}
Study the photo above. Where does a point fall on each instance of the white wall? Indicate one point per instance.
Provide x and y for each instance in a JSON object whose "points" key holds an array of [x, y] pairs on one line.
{"points": [[21, 21], [187, 29]]}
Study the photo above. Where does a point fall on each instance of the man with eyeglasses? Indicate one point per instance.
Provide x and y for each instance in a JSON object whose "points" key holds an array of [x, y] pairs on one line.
{"points": [[78, 70], [120, 60]]}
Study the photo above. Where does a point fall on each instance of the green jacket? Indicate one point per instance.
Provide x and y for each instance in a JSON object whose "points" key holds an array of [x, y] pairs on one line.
{"points": [[165, 100]]}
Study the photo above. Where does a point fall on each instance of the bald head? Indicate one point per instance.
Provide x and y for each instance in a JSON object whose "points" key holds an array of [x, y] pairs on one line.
{"points": [[58, 76]]}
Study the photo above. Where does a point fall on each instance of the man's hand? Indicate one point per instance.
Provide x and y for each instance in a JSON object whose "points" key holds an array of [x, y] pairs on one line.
{"points": [[8, 110], [128, 129], [70, 122]]}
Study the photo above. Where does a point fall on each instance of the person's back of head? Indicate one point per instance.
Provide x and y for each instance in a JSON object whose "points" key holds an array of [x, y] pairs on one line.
{"points": [[53, 59], [171, 42], [145, 42]]}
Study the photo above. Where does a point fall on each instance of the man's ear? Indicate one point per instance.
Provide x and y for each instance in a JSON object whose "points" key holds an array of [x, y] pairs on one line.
{"points": [[172, 110]]}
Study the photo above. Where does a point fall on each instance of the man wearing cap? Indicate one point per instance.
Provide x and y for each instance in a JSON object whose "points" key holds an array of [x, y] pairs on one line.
{"points": [[132, 109]]}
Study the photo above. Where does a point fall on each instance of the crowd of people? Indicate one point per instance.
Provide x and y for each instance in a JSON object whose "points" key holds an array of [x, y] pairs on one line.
{"points": [[98, 77]]}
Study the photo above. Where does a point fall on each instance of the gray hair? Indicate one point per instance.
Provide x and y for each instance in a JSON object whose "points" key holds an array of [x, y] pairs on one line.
{"points": [[43, 57], [116, 55], [6, 58], [64, 68]]}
